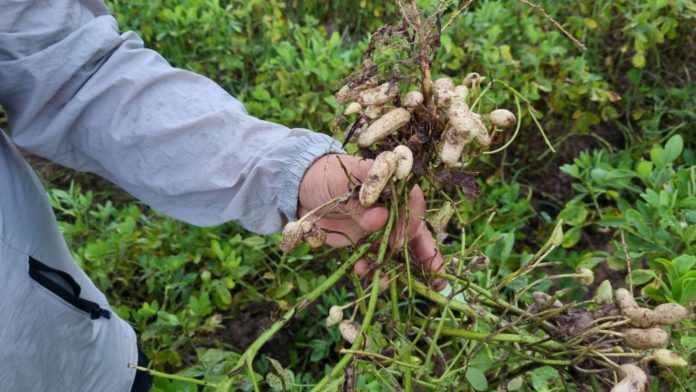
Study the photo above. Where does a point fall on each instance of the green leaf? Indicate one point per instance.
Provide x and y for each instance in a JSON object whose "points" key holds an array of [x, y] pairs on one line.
{"points": [[283, 290], [501, 249], [668, 267], [638, 60], [572, 236], [689, 342], [654, 293], [282, 379], [659, 156], [642, 276], [571, 170], [274, 382], [226, 385], [221, 295], [573, 214], [217, 250], [167, 318], [542, 377], [684, 288], [644, 168], [674, 147], [476, 378], [515, 384], [614, 178], [612, 219], [584, 120], [683, 264]]}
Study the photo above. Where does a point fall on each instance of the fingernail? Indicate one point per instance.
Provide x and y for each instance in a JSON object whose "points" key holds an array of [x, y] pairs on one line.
{"points": [[438, 284]]}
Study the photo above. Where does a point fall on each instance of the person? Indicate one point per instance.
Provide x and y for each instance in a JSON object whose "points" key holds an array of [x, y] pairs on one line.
{"points": [[80, 93]]}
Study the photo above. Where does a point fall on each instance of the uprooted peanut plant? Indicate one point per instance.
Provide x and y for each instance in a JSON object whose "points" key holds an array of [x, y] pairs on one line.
{"points": [[479, 333]]}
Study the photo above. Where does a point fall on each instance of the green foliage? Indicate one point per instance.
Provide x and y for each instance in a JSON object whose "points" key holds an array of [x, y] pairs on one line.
{"points": [[281, 61], [621, 113], [649, 200]]}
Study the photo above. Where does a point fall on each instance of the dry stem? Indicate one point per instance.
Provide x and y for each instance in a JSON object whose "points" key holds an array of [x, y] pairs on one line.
{"points": [[542, 11]]}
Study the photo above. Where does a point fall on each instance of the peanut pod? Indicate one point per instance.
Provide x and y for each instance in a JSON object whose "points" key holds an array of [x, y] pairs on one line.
{"points": [[349, 330], [412, 99], [466, 121], [667, 358], [585, 276], [641, 317], [443, 84], [352, 108], [634, 379], [453, 145], [291, 237], [604, 293], [385, 125], [315, 239], [502, 118], [313, 236], [379, 95], [643, 339], [335, 316], [404, 162], [359, 129], [373, 112], [440, 218], [350, 91], [443, 92], [625, 299], [377, 178], [473, 79], [669, 314]]}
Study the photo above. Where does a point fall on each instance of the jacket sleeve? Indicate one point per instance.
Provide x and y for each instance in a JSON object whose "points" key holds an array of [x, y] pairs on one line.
{"points": [[83, 95]]}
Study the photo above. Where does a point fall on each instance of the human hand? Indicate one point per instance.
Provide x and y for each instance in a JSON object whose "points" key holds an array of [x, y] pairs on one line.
{"points": [[349, 222]]}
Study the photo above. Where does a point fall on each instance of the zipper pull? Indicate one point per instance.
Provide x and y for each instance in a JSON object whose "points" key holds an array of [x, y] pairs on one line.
{"points": [[95, 312]]}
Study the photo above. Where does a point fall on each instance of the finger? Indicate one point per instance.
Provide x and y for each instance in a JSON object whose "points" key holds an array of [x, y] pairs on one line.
{"points": [[426, 251], [383, 282], [363, 269], [356, 168], [416, 209], [373, 219], [416, 213], [341, 232]]}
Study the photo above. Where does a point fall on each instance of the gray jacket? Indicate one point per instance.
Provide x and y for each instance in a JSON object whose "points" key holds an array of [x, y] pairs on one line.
{"points": [[83, 95]]}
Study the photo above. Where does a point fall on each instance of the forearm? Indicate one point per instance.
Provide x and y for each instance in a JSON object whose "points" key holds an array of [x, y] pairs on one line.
{"points": [[98, 101]]}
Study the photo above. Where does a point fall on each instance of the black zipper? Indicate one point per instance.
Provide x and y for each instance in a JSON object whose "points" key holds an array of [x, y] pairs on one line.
{"points": [[37, 272]]}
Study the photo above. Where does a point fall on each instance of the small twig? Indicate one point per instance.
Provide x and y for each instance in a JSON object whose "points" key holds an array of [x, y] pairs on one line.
{"points": [[541, 10], [377, 356], [502, 337], [413, 18], [456, 14], [629, 262], [345, 171]]}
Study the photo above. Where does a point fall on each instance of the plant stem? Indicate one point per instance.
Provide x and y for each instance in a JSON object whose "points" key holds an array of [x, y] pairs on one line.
{"points": [[250, 369], [377, 356], [155, 373], [435, 337], [396, 315], [538, 257], [367, 320], [501, 337], [440, 299]]}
